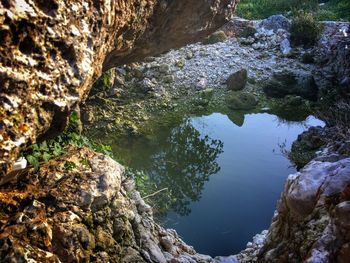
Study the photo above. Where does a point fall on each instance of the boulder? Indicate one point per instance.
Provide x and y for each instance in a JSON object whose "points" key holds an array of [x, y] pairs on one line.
{"points": [[275, 22], [237, 80], [216, 37], [52, 52], [241, 101], [287, 82]]}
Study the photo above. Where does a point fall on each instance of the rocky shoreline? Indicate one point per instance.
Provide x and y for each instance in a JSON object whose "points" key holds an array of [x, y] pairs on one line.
{"points": [[311, 212]]}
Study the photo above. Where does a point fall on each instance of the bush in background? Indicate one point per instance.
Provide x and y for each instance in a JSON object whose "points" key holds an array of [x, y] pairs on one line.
{"points": [[305, 29], [328, 10], [260, 9]]}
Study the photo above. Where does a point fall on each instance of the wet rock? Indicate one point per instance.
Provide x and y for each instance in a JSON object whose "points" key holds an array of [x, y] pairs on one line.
{"points": [[241, 101], [291, 83], [305, 147], [275, 23], [237, 80]]}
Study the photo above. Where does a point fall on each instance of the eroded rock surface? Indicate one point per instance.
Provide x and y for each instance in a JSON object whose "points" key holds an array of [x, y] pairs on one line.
{"points": [[52, 51], [86, 213], [311, 223]]}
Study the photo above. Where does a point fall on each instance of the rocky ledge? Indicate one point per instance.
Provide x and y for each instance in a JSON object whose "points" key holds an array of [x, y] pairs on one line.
{"points": [[81, 208]]}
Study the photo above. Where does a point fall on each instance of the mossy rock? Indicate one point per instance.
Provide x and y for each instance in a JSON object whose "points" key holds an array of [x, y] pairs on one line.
{"points": [[241, 101], [216, 37], [289, 82]]}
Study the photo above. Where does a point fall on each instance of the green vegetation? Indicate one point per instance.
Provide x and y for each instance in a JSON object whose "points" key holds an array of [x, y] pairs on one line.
{"points": [[323, 10], [103, 82], [44, 151], [305, 30], [142, 181]]}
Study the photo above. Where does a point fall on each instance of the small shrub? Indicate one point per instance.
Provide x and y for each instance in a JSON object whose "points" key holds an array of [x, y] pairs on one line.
{"points": [[305, 29], [216, 37]]}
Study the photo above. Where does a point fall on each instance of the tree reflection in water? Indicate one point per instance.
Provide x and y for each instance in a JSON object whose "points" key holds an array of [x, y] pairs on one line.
{"points": [[183, 164]]}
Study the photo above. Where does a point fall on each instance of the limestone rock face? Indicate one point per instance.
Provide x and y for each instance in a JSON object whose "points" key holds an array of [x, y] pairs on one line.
{"points": [[311, 223], [332, 55], [52, 51], [86, 213]]}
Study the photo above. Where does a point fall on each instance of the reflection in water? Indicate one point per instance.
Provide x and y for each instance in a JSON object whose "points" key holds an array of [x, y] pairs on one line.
{"points": [[178, 157], [183, 163]]}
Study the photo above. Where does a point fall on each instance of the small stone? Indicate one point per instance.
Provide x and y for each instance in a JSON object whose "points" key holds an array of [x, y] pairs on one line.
{"points": [[189, 54], [201, 84]]}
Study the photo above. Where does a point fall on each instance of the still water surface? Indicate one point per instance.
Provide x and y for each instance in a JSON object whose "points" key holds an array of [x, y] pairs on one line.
{"points": [[223, 180]]}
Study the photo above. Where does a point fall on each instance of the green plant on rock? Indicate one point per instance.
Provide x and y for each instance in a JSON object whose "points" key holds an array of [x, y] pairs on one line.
{"points": [[44, 151], [103, 83], [305, 29]]}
